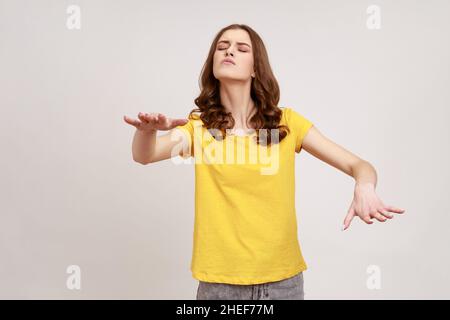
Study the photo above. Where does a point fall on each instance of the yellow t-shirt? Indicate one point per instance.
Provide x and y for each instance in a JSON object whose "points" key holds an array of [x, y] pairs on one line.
{"points": [[245, 229]]}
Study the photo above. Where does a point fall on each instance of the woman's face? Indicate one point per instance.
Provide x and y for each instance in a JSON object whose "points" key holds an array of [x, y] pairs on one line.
{"points": [[234, 45]]}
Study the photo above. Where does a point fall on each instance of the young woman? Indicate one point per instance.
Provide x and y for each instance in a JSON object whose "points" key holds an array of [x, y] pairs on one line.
{"points": [[245, 231]]}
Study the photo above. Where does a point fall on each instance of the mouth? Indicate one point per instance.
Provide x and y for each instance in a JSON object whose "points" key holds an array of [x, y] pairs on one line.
{"points": [[227, 61]]}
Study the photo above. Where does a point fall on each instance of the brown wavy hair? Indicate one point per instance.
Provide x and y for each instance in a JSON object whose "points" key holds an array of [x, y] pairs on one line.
{"points": [[264, 91]]}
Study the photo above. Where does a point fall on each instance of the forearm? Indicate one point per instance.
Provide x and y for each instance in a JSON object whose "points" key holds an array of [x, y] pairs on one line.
{"points": [[364, 173], [143, 145]]}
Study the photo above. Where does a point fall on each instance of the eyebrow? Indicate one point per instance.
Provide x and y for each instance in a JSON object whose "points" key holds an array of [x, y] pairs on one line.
{"points": [[227, 41]]}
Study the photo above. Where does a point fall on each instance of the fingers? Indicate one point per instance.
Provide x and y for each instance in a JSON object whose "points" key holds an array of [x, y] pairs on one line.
{"points": [[378, 216], [155, 118], [162, 119], [366, 219], [381, 214], [178, 122], [132, 121], [386, 213], [152, 118], [348, 219], [395, 209], [143, 117]]}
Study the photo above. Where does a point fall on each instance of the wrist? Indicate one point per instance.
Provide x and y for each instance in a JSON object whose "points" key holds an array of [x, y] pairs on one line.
{"points": [[147, 131], [364, 185]]}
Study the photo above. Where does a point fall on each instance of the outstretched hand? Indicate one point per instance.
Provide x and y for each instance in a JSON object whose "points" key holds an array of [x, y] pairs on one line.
{"points": [[154, 121], [366, 205]]}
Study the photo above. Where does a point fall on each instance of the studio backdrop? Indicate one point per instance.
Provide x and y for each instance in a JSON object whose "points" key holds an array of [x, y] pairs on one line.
{"points": [[80, 219]]}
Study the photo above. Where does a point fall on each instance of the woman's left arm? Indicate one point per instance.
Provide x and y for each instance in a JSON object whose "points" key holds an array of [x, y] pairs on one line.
{"points": [[366, 204]]}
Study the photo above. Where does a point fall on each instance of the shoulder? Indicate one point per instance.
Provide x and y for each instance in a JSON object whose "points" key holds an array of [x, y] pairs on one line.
{"points": [[194, 116], [285, 112], [294, 117], [194, 119], [288, 115]]}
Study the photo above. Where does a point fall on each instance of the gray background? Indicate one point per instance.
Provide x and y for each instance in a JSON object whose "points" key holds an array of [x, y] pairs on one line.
{"points": [[71, 194]]}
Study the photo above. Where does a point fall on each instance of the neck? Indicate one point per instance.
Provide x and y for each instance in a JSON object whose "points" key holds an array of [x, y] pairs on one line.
{"points": [[236, 99]]}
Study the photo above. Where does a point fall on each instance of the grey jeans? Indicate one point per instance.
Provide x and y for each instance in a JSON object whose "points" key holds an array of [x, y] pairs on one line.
{"points": [[286, 289]]}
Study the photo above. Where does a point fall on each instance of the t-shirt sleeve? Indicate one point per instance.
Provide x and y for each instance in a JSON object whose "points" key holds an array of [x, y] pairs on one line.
{"points": [[188, 130], [299, 126]]}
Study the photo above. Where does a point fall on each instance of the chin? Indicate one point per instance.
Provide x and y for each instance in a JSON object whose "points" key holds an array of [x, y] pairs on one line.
{"points": [[227, 77]]}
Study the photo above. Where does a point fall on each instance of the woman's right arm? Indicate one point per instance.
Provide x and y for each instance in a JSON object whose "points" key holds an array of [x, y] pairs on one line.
{"points": [[147, 146]]}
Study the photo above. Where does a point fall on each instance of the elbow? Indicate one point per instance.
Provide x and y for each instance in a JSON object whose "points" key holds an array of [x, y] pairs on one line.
{"points": [[355, 165], [362, 165], [142, 161]]}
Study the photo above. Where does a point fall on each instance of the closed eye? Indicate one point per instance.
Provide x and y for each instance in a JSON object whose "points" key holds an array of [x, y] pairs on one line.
{"points": [[239, 50]]}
